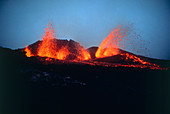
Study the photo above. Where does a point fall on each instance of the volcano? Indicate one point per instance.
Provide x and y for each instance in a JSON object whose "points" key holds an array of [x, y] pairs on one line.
{"points": [[58, 49], [73, 50], [54, 76], [124, 59], [107, 54]]}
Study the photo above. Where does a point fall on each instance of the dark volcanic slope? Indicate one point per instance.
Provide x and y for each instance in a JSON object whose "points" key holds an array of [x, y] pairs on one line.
{"points": [[30, 87]]}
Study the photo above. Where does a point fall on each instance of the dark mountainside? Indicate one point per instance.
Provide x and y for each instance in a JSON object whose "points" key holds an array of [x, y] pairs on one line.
{"points": [[29, 86]]}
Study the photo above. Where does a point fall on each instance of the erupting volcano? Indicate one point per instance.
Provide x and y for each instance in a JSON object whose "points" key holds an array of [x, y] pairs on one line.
{"points": [[53, 48], [108, 54], [49, 48], [110, 46], [55, 73]]}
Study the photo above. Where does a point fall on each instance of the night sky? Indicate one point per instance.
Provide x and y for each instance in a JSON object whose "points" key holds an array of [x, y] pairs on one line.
{"points": [[22, 22]]}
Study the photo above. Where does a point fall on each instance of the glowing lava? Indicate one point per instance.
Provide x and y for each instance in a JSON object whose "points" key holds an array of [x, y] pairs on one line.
{"points": [[49, 48], [28, 52], [110, 45], [56, 50], [84, 54]]}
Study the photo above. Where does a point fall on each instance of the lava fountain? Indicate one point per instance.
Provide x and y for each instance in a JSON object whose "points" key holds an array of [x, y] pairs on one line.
{"points": [[50, 48], [110, 49], [110, 46]]}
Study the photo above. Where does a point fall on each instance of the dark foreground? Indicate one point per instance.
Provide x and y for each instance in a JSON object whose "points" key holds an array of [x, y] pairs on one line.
{"points": [[29, 87]]}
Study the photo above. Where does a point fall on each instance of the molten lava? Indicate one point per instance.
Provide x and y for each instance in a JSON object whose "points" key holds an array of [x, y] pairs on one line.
{"points": [[28, 52], [49, 48], [110, 45], [56, 50], [62, 53], [84, 54]]}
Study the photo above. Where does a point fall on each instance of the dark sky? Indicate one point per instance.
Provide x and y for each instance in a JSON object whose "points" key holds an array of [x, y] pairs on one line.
{"points": [[22, 22]]}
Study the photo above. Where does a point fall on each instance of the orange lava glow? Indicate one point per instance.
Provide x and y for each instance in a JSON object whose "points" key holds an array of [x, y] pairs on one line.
{"points": [[84, 54], [49, 48], [58, 53], [110, 45], [28, 52], [137, 59]]}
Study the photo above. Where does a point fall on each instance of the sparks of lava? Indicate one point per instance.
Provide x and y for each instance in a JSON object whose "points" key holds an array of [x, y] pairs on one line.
{"points": [[28, 52], [110, 45], [49, 48]]}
